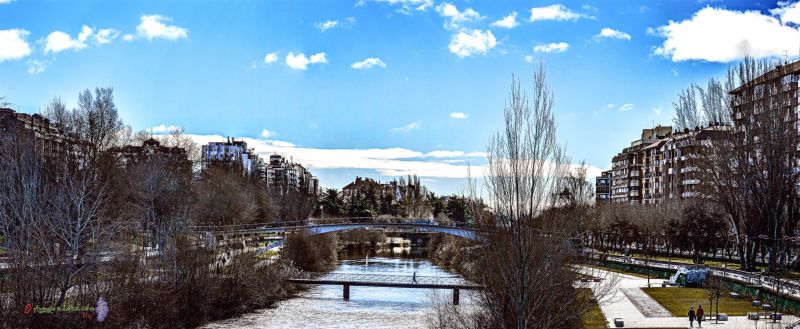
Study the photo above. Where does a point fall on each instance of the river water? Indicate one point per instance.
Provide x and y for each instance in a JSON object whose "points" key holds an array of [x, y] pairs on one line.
{"points": [[369, 307]]}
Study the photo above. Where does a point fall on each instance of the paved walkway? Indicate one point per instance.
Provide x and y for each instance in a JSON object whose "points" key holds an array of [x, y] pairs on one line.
{"points": [[639, 310]]}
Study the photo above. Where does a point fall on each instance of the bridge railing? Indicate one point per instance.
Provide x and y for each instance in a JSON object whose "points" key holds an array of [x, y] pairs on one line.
{"points": [[380, 278], [329, 221]]}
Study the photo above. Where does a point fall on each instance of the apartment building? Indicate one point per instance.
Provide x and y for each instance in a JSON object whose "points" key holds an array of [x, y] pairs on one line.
{"points": [[45, 136], [628, 168], [173, 159], [233, 153], [282, 175], [602, 190], [661, 165]]}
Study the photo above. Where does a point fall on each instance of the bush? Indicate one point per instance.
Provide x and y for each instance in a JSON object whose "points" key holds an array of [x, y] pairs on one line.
{"points": [[310, 253]]}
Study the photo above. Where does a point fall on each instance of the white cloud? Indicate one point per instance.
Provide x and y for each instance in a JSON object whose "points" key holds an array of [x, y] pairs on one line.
{"points": [[610, 105], [458, 115], [626, 107], [58, 41], [105, 36], [675, 72], [267, 134], [13, 44], [468, 43], [508, 22], [368, 63], [155, 27], [332, 24], [128, 37], [721, 35], [551, 47], [301, 62], [657, 111], [163, 129], [406, 6], [454, 154], [609, 33], [35, 67], [454, 17], [787, 12], [555, 12], [408, 127], [4, 2], [271, 58], [529, 59], [326, 25]]}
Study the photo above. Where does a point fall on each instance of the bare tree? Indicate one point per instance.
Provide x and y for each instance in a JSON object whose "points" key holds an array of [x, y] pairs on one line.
{"points": [[750, 153], [76, 232], [526, 266]]}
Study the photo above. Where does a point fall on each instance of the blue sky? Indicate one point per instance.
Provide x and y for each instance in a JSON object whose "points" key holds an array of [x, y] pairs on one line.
{"points": [[382, 87]]}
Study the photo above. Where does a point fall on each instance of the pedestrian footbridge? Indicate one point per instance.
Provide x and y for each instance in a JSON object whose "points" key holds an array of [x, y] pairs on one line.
{"points": [[321, 226], [346, 280]]}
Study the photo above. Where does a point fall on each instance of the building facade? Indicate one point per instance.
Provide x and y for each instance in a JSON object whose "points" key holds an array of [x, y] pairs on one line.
{"points": [[279, 174], [173, 159], [46, 137], [232, 153], [661, 165], [602, 187]]}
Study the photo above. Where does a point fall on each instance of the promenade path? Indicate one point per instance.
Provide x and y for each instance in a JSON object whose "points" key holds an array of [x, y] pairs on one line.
{"points": [[639, 310]]}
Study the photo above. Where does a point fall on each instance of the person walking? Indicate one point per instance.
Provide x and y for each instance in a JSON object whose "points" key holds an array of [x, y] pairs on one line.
{"points": [[691, 317], [414, 278], [700, 314]]}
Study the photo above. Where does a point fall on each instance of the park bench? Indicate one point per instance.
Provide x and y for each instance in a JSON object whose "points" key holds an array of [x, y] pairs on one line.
{"points": [[619, 323], [712, 317], [735, 295]]}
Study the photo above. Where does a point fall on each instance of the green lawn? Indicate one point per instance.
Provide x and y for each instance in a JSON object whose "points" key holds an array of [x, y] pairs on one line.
{"points": [[678, 300]]}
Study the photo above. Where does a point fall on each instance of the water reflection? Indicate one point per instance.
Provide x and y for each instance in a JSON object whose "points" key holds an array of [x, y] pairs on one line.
{"points": [[369, 307]]}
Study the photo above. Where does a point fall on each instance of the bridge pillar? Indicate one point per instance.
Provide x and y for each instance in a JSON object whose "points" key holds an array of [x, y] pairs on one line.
{"points": [[346, 292], [455, 296]]}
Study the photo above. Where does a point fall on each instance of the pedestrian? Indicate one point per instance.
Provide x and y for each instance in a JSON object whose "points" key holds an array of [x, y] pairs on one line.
{"points": [[700, 315], [414, 277], [691, 317]]}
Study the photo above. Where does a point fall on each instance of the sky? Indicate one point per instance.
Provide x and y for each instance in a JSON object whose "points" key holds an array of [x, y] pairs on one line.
{"points": [[383, 88]]}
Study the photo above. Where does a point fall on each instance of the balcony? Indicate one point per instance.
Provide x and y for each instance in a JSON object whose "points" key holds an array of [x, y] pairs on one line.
{"points": [[690, 182], [689, 169]]}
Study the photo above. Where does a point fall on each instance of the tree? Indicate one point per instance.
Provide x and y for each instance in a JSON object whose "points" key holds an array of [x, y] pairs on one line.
{"points": [[748, 163], [457, 210], [525, 266], [331, 202], [715, 288]]}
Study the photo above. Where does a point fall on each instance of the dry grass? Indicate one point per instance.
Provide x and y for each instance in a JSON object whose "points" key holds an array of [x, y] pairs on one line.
{"points": [[678, 300]]}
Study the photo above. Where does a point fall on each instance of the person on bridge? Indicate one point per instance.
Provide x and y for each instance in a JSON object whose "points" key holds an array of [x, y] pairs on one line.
{"points": [[700, 314], [414, 278]]}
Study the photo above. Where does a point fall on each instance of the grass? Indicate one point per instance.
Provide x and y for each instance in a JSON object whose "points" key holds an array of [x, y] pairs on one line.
{"points": [[594, 319], [678, 300]]}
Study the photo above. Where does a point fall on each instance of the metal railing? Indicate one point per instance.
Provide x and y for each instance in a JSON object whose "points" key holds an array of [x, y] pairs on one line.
{"points": [[311, 222]]}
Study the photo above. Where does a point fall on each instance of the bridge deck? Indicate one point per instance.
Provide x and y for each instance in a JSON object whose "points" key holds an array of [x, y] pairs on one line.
{"points": [[382, 280]]}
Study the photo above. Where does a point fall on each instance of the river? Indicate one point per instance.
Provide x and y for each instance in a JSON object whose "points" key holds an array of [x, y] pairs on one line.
{"points": [[369, 307]]}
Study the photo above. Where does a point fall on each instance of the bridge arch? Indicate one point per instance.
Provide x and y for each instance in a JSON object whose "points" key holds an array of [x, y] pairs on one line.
{"points": [[459, 232]]}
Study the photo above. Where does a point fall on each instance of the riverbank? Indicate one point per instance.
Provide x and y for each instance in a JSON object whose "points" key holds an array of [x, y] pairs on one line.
{"points": [[454, 252]]}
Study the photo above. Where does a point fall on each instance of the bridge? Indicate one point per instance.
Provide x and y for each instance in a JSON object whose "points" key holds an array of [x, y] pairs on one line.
{"points": [[315, 226], [346, 280]]}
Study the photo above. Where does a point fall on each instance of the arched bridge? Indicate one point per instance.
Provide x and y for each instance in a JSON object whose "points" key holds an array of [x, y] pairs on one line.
{"points": [[315, 226]]}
